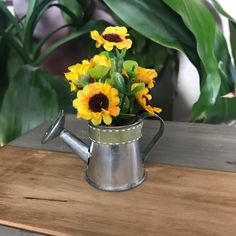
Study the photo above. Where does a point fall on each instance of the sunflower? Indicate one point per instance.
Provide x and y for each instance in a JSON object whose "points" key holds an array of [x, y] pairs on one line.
{"points": [[146, 76], [97, 102], [77, 74], [144, 99], [112, 37]]}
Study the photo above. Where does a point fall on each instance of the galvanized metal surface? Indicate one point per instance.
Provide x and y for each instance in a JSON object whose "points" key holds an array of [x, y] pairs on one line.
{"points": [[114, 160]]}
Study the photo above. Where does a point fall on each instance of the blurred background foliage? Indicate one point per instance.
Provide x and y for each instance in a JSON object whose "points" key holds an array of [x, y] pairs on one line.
{"points": [[31, 91]]}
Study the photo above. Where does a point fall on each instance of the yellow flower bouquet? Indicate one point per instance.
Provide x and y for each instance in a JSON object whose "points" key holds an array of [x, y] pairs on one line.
{"points": [[110, 89]]}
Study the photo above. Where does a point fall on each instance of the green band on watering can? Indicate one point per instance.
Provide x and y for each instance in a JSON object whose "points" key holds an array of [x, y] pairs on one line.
{"points": [[116, 135]]}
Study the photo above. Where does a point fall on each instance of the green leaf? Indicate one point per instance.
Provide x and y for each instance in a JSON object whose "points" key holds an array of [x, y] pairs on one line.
{"points": [[118, 82], [126, 103], [199, 20], [11, 18], [156, 21], [64, 95], [232, 27], [74, 12], [224, 108], [91, 25], [139, 41], [98, 72], [85, 4], [31, 6], [4, 55], [32, 22], [45, 39], [14, 43], [156, 56], [187, 26], [28, 101], [131, 68], [219, 8], [222, 111], [14, 63]]}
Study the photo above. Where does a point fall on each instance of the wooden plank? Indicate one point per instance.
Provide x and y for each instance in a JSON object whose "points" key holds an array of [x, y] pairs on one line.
{"points": [[47, 190], [183, 144]]}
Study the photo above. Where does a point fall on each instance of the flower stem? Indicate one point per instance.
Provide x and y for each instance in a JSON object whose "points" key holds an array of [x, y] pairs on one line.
{"points": [[122, 102], [113, 65], [118, 54], [120, 59]]}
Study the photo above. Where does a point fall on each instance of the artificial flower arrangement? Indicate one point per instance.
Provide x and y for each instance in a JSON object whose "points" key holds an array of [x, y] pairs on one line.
{"points": [[111, 90]]}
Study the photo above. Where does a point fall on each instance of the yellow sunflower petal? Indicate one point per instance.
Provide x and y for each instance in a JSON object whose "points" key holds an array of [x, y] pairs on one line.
{"points": [[115, 111], [108, 46], [97, 121], [146, 75], [70, 76], [73, 87], [127, 43], [98, 45], [100, 60], [116, 30], [157, 109], [72, 68], [94, 34], [107, 119]]}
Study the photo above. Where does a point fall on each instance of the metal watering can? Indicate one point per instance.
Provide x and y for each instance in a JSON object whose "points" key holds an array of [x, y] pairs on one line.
{"points": [[114, 160]]}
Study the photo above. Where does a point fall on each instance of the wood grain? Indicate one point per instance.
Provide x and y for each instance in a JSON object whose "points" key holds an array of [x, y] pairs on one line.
{"points": [[47, 191], [183, 144]]}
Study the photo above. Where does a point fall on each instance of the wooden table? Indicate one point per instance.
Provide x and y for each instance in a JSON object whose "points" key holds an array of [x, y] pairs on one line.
{"points": [[43, 190]]}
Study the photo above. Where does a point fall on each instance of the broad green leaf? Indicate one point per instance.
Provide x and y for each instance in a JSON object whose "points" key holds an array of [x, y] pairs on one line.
{"points": [[139, 41], [199, 20], [232, 27], [14, 63], [64, 95], [28, 101], [158, 22], [220, 9], [4, 54], [222, 111], [224, 108], [2, 92], [156, 56]]}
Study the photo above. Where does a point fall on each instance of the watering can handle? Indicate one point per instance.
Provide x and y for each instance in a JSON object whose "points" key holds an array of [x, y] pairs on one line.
{"points": [[157, 136]]}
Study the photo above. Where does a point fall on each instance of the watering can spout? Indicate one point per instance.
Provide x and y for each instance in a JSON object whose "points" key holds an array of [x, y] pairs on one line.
{"points": [[57, 130]]}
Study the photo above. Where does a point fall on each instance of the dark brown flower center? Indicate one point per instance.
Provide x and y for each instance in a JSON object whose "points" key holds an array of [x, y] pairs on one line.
{"points": [[112, 38], [98, 101]]}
